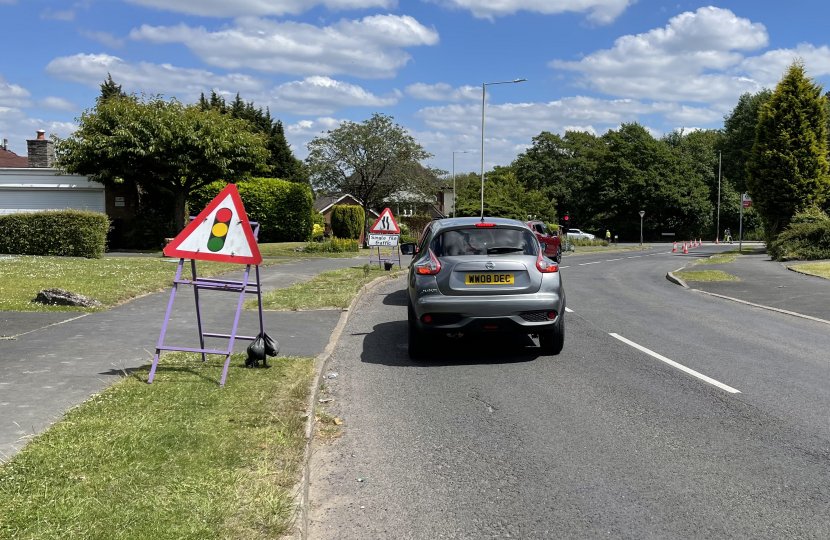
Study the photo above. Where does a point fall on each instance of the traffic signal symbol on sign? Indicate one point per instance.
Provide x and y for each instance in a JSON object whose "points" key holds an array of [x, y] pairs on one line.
{"points": [[221, 226]]}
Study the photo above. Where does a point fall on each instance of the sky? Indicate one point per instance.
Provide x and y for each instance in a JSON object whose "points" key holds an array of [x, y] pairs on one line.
{"points": [[590, 65]]}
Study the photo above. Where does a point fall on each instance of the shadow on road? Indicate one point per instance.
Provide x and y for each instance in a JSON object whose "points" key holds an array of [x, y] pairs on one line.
{"points": [[387, 345], [397, 298]]}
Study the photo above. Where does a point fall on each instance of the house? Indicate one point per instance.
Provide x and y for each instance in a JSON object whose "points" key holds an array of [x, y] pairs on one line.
{"points": [[325, 203]]}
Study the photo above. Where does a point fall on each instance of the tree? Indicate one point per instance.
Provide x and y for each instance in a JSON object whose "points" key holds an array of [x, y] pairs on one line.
{"points": [[739, 137], [161, 144], [111, 90], [788, 168], [371, 160], [504, 196], [281, 160]]}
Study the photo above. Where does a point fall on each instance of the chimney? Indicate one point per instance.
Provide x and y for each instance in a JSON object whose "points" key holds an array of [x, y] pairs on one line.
{"points": [[41, 151], [5, 144]]}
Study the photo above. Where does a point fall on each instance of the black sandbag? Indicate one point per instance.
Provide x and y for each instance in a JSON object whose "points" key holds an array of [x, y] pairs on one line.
{"points": [[272, 347], [256, 352]]}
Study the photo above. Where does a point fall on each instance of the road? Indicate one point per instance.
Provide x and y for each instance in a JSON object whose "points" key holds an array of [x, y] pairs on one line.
{"points": [[723, 434]]}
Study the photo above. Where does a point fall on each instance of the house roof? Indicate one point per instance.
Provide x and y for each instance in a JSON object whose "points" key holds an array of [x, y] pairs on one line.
{"points": [[325, 203], [11, 160]]}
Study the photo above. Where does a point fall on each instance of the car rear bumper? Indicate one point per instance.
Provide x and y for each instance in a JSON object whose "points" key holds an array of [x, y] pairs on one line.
{"points": [[471, 314]]}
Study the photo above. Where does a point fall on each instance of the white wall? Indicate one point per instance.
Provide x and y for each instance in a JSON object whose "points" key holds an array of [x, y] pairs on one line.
{"points": [[32, 190]]}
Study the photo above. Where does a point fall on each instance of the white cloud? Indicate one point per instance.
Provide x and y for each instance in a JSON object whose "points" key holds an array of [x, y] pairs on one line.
{"points": [[105, 38], [301, 133], [18, 127], [64, 15], [687, 60], [57, 104], [370, 47], [91, 70], [768, 68], [12, 95], [322, 96], [443, 92], [237, 8], [601, 11]]}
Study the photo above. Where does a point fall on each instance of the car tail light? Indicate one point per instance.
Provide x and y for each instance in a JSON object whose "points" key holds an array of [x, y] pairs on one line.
{"points": [[545, 266], [428, 267], [482, 224], [551, 315]]}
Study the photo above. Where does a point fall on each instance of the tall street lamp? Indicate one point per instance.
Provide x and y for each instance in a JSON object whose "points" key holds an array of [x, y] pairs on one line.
{"points": [[483, 94], [454, 194]]}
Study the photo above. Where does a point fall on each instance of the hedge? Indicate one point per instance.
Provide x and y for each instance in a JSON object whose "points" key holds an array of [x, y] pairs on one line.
{"points": [[62, 233], [335, 245], [283, 209], [347, 221], [806, 239], [415, 223]]}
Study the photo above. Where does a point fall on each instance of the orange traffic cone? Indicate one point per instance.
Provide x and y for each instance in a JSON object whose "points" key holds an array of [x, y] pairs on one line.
{"points": [[674, 249], [716, 241], [685, 249]]}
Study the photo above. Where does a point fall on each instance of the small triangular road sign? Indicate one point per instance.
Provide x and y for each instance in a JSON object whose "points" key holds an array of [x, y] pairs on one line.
{"points": [[385, 224], [221, 232]]}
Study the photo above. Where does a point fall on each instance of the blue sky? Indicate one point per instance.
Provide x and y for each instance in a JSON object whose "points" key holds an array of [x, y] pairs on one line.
{"points": [[590, 64]]}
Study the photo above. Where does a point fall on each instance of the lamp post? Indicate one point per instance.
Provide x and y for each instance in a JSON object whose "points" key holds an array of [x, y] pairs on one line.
{"points": [[642, 213], [483, 94], [717, 230], [454, 194]]}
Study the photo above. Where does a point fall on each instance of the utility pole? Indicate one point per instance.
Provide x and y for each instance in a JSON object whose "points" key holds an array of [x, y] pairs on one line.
{"points": [[642, 213], [717, 231]]}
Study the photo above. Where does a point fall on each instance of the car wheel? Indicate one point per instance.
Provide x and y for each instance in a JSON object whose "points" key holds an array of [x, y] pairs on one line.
{"points": [[558, 255], [552, 341], [417, 340]]}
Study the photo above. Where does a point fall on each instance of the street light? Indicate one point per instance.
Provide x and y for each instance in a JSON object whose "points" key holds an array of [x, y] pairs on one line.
{"points": [[642, 213], [483, 94], [454, 194]]}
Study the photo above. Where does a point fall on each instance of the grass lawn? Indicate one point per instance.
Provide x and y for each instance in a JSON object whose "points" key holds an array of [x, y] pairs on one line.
{"points": [[706, 275], [332, 289], [286, 249], [821, 269], [180, 458], [721, 258], [593, 249], [110, 280]]}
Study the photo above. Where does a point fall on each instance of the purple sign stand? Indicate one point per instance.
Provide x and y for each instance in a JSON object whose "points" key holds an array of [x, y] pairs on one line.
{"points": [[381, 259], [242, 287]]}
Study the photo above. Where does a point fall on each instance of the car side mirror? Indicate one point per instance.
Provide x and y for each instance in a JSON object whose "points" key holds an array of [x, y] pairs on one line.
{"points": [[408, 248]]}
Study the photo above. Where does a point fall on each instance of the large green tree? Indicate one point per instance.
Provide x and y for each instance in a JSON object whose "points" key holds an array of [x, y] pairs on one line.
{"points": [[161, 144], [504, 196], [739, 137], [788, 168], [281, 160], [371, 160]]}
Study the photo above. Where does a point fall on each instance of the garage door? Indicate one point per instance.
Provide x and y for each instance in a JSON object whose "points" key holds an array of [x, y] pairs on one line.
{"points": [[24, 200]]}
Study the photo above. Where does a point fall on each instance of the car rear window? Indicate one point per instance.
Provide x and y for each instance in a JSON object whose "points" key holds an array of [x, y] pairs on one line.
{"points": [[484, 241]]}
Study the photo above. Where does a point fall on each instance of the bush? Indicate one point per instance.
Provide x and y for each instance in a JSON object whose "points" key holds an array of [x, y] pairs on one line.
{"points": [[335, 245], [283, 209], [408, 239], [347, 221], [806, 239], [416, 223], [583, 242], [62, 233]]}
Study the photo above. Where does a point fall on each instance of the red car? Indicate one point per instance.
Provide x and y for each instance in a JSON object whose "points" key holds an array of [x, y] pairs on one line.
{"points": [[548, 238]]}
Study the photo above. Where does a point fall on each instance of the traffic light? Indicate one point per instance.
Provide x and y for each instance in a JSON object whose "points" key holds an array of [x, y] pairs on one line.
{"points": [[566, 223]]}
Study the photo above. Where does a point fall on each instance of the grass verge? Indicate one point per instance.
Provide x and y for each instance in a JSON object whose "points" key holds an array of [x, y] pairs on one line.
{"points": [[821, 269], [109, 280], [706, 275], [332, 289], [180, 458], [596, 249], [718, 259], [286, 249]]}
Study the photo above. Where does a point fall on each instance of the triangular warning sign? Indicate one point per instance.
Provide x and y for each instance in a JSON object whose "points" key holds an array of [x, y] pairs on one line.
{"points": [[385, 224], [221, 232]]}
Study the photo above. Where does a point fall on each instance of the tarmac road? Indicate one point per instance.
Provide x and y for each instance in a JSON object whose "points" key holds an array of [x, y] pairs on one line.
{"points": [[491, 440]]}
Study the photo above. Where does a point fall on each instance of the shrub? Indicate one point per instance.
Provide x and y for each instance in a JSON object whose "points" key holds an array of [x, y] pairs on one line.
{"points": [[806, 239], [62, 233], [283, 209], [415, 223], [335, 245], [347, 221], [405, 231], [583, 242], [317, 232], [405, 239], [318, 219]]}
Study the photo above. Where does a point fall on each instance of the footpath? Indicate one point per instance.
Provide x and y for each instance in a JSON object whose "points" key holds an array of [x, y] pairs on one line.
{"points": [[769, 283], [58, 360]]}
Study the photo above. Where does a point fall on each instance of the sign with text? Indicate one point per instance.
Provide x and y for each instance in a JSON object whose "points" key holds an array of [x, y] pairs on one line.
{"points": [[746, 200], [383, 240]]}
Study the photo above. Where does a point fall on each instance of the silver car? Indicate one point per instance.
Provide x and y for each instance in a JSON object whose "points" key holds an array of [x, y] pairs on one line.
{"points": [[471, 276], [576, 234]]}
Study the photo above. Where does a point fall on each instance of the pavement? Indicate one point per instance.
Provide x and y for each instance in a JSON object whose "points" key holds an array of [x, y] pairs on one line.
{"points": [[669, 414], [58, 360], [768, 283]]}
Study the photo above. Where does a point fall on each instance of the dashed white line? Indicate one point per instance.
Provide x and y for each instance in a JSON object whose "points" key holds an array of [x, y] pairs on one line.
{"points": [[635, 257], [612, 260], [568, 310], [561, 267], [584, 264], [681, 367]]}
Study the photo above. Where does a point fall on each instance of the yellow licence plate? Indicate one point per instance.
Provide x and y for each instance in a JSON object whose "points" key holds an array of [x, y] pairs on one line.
{"points": [[489, 279]]}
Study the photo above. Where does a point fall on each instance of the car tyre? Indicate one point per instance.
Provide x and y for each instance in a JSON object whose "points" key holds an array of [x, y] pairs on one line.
{"points": [[553, 341], [418, 344], [558, 257]]}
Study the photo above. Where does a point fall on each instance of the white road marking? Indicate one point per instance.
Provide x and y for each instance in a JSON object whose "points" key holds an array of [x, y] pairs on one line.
{"points": [[681, 367], [568, 310], [561, 267], [612, 260], [584, 264], [635, 257]]}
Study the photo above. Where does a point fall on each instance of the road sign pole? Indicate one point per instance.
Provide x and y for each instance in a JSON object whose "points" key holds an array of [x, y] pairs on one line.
{"points": [[741, 231]]}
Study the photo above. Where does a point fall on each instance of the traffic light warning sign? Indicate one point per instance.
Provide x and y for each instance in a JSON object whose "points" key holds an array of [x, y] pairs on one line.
{"points": [[221, 232], [385, 224]]}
